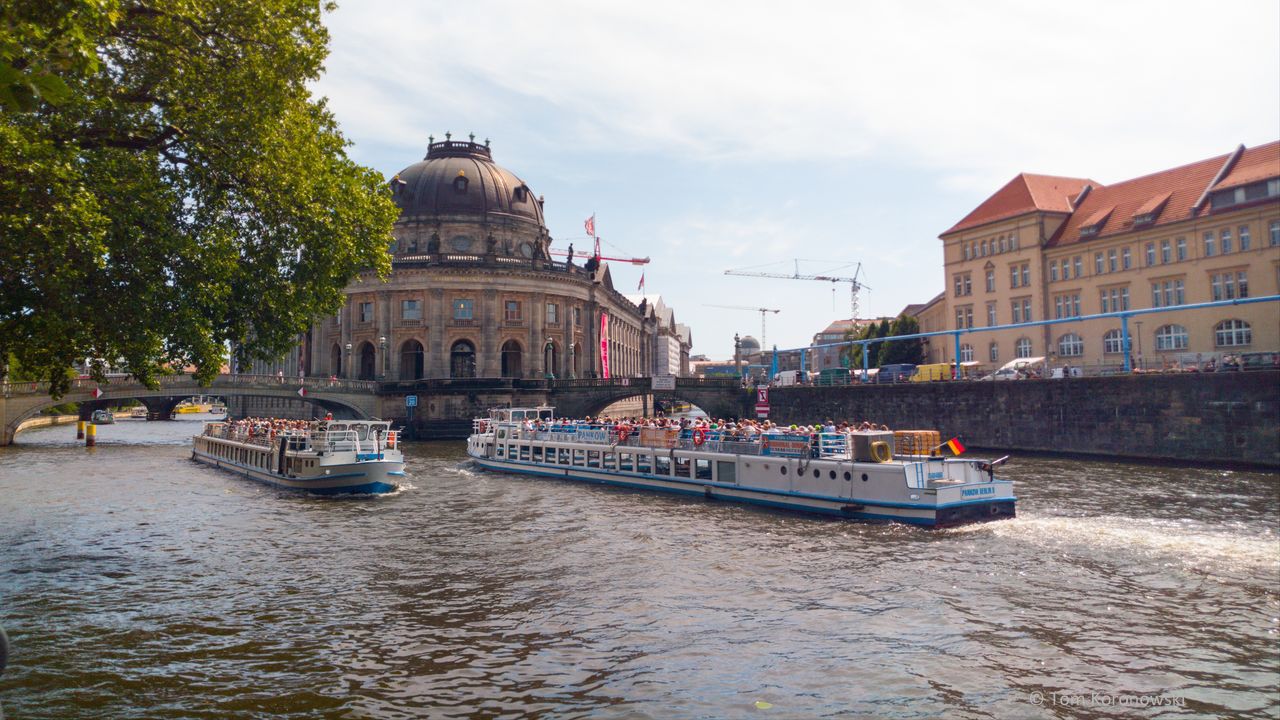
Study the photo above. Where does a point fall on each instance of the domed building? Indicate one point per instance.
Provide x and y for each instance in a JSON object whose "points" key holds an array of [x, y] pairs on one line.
{"points": [[474, 292]]}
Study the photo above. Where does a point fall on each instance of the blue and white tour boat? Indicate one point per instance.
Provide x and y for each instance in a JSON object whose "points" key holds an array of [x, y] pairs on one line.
{"points": [[857, 475], [325, 456]]}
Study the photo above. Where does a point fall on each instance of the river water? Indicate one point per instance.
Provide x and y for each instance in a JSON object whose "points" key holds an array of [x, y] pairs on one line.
{"points": [[136, 583]]}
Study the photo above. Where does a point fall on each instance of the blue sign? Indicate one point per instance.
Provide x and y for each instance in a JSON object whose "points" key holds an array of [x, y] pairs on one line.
{"points": [[411, 401]]}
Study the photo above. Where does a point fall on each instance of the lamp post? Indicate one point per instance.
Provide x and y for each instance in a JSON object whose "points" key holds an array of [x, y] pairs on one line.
{"points": [[1139, 324], [382, 345], [347, 374], [737, 355]]}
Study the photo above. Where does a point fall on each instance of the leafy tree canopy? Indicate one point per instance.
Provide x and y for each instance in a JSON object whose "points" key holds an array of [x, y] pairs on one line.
{"points": [[168, 185], [903, 351]]}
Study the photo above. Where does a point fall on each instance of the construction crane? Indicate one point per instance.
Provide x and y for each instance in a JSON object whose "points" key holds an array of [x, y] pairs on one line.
{"points": [[854, 284], [763, 312]]}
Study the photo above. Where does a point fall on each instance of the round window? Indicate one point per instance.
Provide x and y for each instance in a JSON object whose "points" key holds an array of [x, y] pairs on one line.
{"points": [[526, 249], [460, 243]]}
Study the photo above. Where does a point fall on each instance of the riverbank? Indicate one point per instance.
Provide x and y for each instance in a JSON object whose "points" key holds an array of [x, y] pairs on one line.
{"points": [[47, 421]]}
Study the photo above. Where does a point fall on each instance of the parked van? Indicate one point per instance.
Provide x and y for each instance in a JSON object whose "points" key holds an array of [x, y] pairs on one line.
{"points": [[897, 373], [833, 376], [932, 372], [786, 377]]}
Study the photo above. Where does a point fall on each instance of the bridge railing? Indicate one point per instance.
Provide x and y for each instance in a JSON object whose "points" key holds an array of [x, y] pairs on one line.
{"points": [[184, 382]]}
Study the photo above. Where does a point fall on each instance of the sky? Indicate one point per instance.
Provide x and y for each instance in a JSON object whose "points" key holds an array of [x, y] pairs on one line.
{"points": [[712, 136]]}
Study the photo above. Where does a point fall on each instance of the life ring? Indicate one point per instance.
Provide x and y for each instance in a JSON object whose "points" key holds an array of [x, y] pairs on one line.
{"points": [[623, 433], [699, 437], [880, 451], [391, 441]]}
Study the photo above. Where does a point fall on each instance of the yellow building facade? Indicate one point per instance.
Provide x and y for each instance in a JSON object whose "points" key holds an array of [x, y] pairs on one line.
{"points": [[1056, 248]]}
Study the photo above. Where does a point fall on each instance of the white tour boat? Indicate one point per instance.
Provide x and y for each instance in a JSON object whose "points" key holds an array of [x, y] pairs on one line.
{"points": [[328, 456], [854, 475]]}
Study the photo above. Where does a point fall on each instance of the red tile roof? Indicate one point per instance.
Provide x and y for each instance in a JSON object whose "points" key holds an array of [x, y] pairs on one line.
{"points": [[1153, 206], [1024, 194], [1260, 163], [1184, 186]]}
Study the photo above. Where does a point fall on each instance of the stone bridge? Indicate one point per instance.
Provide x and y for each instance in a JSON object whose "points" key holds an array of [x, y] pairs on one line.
{"points": [[345, 398]]}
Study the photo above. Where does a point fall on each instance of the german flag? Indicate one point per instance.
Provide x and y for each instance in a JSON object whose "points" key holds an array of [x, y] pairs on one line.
{"points": [[955, 446]]}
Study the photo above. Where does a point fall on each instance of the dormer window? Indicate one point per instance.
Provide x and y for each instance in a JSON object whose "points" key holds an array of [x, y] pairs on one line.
{"points": [[1095, 222], [1150, 210], [521, 194], [460, 183]]}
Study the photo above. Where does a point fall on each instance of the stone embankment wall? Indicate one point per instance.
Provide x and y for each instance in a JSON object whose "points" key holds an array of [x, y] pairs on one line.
{"points": [[47, 421], [1229, 417]]}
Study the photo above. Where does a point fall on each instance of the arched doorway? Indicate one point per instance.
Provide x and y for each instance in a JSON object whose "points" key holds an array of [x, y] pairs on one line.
{"points": [[575, 359], [512, 359], [368, 361], [411, 360], [551, 359], [335, 361], [462, 360]]}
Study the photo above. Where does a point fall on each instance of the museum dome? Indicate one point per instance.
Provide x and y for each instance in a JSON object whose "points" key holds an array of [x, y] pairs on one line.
{"points": [[749, 345], [460, 178]]}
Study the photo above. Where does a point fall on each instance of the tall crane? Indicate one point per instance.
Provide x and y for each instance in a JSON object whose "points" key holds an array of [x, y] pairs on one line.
{"points": [[763, 312], [854, 284]]}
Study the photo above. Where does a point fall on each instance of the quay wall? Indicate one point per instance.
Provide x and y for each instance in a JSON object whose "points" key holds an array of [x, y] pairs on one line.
{"points": [[47, 421], [1229, 417]]}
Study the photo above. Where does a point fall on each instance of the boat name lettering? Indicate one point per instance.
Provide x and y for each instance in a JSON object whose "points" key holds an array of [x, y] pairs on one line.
{"points": [[978, 491], [936, 475], [593, 435]]}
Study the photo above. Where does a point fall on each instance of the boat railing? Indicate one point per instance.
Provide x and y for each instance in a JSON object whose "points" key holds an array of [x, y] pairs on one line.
{"points": [[834, 446]]}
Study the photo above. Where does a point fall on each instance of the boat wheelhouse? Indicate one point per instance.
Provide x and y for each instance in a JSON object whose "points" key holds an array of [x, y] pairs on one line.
{"points": [[865, 475], [326, 457]]}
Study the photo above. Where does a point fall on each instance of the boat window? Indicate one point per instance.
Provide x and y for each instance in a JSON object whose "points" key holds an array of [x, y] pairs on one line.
{"points": [[579, 457], [783, 468], [524, 452], [644, 463], [593, 458], [626, 462], [726, 472], [816, 473], [702, 469], [537, 453], [682, 467], [610, 461], [662, 465]]}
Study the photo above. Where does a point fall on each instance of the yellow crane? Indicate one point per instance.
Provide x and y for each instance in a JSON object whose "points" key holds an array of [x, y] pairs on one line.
{"points": [[763, 312]]}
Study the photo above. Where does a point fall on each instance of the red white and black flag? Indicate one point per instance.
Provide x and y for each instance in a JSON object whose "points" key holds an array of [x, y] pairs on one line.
{"points": [[590, 225], [640, 287]]}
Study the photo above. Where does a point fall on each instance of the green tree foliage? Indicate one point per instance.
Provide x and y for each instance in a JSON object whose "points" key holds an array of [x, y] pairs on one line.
{"points": [[168, 185], [903, 351]]}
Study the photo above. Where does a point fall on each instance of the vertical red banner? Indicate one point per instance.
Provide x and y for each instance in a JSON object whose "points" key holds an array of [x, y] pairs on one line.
{"points": [[604, 344]]}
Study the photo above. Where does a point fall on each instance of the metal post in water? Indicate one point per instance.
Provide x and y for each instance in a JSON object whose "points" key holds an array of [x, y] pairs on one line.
{"points": [[91, 435], [79, 429]]}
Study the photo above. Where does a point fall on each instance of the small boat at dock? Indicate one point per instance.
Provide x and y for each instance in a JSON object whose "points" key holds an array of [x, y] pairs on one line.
{"points": [[103, 417], [864, 475], [325, 456]]}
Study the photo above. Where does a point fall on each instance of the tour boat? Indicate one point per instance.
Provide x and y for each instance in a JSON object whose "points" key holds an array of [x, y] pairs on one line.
{"points": [[138, 412], [102, 417], [856, 475], [327, 457]]}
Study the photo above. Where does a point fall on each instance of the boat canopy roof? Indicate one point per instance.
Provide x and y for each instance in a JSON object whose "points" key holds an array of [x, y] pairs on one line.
{"points": [[541, 412]]}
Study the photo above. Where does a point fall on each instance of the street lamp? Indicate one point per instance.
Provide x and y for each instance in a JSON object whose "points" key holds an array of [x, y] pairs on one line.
{"points": [[737, 355], [1139, 324], [348, 366], [382, 344]]}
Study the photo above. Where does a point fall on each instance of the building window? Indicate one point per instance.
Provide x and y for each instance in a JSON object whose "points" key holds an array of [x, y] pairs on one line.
{"points": [[462, 360], [1013, 276], [1023, 348], [1245, 240], [1225, 240], [463, 310], [1166, 252], [366, 312], [553, 314], [1026, 274], [1066, 269], [1021, 310], [966, 353], [1097, 263], [1066, 306], [1126, 258], [1182, 249], [1229, 285], [1112, 342], [1053, 271], [460, 184], [1171, 337], [1167, 293], [964, 317], [1232, 333], [577, 317], [1070, 345], [964, 284], [1274, 230], [1114, 299], [1151, 254], [1210, 244], [1112, 260], [991, 314], [965, 251], [511, 311], [1078, 261], [1017, 311], [991, 281], [993, 352], [410, 309]]}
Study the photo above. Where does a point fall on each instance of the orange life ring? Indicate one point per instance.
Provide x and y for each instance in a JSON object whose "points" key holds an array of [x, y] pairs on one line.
{"points": [[623, 432], [699, 437], [391, 441]]}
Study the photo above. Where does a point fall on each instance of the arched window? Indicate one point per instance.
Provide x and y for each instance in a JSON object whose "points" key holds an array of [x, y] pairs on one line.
{"points": [[966, 353], [462, 360], [1171, 337], [575, 357], [368, 361], [993, 352], [411, 362], [1232, 333], [1023, 348], [335, 360], [512, 357], [1070, 345], [1112, 342]]}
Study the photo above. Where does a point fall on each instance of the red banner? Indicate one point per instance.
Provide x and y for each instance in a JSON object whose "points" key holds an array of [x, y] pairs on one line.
{"points": [[604, 344]]}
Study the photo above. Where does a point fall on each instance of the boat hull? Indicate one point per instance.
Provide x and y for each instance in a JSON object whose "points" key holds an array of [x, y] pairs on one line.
{"points": [[362, 478]]}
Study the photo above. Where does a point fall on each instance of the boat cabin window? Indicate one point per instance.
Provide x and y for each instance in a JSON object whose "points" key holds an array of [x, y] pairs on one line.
{"points": [[579, 458], [702, 469], [546, 413], [524, 452], [610, 461], [593, 458], [537, 453], [682, 467], [563, 454], [644, 463], [626, 462], [662, 465], [726, 472]]}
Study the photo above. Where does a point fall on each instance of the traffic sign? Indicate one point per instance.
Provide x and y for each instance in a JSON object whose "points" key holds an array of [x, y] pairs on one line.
{"points": [[411, 401], [762, 396], [762, 411]]}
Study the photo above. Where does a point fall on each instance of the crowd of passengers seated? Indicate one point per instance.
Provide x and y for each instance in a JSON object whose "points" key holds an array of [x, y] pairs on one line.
{"points": [[253, 427], [713, 429]]}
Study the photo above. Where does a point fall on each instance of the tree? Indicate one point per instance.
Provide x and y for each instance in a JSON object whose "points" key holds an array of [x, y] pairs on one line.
{"points": [[903, 351], [168, 186]]}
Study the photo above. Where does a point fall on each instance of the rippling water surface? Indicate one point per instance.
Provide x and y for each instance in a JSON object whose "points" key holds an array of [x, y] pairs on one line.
{"points": [[136, 583]]}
